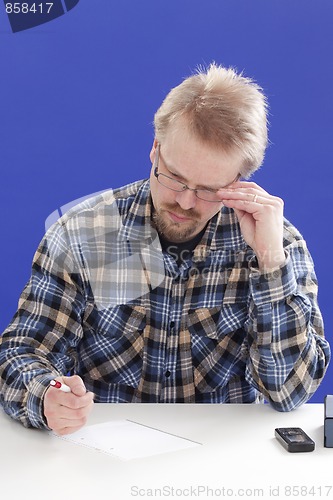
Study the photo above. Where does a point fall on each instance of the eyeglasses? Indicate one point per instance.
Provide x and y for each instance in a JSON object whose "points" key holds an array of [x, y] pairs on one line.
{"points": [[174, 185]]}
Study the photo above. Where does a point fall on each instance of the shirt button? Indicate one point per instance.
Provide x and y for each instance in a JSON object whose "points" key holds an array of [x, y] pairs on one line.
{"points": [[167, 374]]}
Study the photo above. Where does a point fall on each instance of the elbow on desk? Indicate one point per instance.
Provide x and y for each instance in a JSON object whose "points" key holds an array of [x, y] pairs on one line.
{"points": [[294, 391], [285, 406], [285, 403]]}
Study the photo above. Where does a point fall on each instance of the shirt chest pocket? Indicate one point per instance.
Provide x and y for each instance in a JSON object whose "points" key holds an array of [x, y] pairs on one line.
{"points": [[217, 322], [218, 344], [228, 314], [124, 321], [116, 354]]}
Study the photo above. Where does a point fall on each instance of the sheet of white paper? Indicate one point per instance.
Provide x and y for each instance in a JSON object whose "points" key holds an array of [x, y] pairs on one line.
{"points": [[128, 440]]}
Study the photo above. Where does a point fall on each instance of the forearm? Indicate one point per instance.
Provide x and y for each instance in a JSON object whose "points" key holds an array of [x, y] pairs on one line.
{"points": [[288, 354], [26, 368], [285, 367], [38, 343], [22, 389]]}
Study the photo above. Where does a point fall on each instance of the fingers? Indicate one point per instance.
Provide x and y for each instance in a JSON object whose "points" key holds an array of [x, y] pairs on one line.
{"points": [[76, 384], [66, 421], [249, 197], [70, 401], [67, 412]]}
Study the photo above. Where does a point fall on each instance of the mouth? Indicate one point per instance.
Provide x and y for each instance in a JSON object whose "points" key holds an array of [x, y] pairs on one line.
{"points": [[177, 218]]}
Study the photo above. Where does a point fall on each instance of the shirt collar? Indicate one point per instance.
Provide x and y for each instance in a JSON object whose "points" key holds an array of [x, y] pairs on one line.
{"points": [[222, 234], [137, 223]]}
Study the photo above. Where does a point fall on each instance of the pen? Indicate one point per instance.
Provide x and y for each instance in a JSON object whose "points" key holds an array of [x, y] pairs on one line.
{"points": [[59, 385]]}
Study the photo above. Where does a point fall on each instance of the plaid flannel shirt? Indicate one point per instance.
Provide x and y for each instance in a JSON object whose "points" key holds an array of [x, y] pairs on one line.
{"points": [[106, 303]]}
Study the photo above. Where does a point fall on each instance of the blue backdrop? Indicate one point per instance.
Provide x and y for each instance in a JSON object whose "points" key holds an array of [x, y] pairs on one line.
{"points": [[78, 95]]}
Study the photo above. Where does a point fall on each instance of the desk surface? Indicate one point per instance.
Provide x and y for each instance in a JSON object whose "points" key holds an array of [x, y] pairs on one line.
{"points": [[239, 457]]}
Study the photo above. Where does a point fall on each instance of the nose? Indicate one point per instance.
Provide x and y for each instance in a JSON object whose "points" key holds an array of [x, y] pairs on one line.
{"points": [[186, 199]]}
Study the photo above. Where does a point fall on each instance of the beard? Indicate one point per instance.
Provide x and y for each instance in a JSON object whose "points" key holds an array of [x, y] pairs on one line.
{"points": [[176, 232]]}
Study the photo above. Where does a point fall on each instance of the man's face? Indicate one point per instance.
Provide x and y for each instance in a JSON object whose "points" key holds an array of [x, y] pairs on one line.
{"points": [[179, 216]]}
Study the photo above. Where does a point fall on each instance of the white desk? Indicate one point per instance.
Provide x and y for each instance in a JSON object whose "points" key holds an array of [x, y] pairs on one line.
{"points": [[239, 457]]}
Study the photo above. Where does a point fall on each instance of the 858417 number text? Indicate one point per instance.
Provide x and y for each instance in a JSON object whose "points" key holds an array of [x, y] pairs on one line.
{"points": [[25, 8]]}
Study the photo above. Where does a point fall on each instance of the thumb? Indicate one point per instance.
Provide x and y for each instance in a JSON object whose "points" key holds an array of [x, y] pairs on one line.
{"points": [[76, 384]]}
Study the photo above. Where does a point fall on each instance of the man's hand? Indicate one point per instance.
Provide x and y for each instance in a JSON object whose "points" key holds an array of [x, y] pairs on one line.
{"points": [[260, 216], [68, 412]]}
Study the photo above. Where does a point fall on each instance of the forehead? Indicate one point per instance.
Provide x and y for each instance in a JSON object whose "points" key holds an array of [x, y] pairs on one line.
{"points": [[197, 162]]}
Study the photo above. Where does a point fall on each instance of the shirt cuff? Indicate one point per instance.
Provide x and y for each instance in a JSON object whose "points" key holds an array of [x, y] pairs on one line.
{"points": [[274, 285], [35, 401]]}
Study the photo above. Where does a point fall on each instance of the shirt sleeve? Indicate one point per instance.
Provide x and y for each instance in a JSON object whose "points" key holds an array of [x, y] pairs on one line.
{"points": [[39, 343], [288, 354]]}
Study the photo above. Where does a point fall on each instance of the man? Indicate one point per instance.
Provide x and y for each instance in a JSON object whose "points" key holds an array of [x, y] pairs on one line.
{"points": [[187, 287]]}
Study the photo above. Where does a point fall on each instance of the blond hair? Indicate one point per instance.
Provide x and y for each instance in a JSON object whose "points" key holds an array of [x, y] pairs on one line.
{"points": [[222, 108]]}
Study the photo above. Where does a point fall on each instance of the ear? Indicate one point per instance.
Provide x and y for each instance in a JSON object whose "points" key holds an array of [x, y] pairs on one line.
{"points": [[153, 151]]}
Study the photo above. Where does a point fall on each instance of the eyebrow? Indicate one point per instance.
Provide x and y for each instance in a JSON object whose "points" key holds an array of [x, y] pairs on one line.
{"points": [[173, 171]]}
